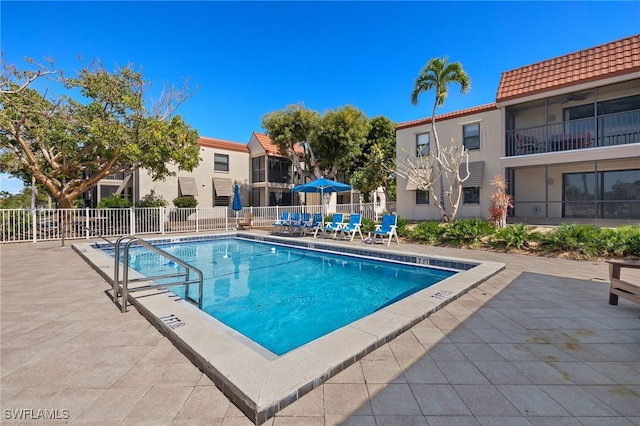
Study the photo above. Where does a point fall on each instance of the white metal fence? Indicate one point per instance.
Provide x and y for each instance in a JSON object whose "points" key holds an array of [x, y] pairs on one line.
{"points": [[23, 225]]}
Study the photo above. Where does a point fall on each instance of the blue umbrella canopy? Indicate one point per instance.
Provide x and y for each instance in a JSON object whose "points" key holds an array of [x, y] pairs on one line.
{"points": [[237, 202], [322, 185]]}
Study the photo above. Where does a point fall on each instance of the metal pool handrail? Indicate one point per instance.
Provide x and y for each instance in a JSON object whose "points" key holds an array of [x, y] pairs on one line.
{"points": [[124, 290]]}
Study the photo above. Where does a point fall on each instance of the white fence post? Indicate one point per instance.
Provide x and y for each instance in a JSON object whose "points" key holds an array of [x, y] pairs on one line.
{"points": [[86, 223], [161, 218], [132, 220], [197, 219], [34, 225]]}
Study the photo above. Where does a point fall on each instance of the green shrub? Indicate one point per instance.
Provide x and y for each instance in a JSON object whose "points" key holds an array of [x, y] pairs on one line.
{"points": [[185, 202], [622, 241], [114, 202], [152, 200], [402, 229], [580, 238], [367, 225], [429, 232], [518, 235], [467, 231]]}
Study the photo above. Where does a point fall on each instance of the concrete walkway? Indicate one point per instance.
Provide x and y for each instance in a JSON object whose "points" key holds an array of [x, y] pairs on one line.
{"points": [[536, 344]]}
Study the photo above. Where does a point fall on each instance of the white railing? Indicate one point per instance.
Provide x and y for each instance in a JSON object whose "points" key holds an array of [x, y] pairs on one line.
{"points": [[24, 225]]}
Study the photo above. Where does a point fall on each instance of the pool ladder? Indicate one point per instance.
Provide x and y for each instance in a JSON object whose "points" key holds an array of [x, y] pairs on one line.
{"points": [[121, 288]]}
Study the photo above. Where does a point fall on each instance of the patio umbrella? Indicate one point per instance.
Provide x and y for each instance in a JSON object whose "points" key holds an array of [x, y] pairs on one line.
{"points": [[237, 202], [322, 186]]}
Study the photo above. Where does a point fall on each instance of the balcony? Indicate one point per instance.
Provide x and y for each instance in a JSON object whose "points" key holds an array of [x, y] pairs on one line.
{"points": [[605, 130]]}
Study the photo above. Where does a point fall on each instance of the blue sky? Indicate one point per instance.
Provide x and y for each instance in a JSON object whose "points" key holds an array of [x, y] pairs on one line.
{"points": [[252, 58]]}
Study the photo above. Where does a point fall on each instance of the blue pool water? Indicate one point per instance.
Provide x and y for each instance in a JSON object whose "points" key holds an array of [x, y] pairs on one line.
{"points": [[282, 297]]}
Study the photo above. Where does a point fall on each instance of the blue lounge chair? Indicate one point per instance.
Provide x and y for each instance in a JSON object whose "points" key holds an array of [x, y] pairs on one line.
{"points": [[294, 219], [313, 224], [278, 225], [298, 221], [353, 227], [387, 229], [333, 226]]}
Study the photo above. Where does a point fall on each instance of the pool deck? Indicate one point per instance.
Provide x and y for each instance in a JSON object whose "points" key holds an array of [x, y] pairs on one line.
{"points": [[535, 344]]}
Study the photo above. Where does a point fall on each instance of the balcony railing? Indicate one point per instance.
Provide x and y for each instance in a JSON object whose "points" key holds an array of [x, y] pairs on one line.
{"points": [[612, 129]]}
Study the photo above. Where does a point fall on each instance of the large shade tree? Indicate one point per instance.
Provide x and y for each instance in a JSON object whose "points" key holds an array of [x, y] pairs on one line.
{"points": [[330, 142], [372, 169], [444, 166], [100, 125]]}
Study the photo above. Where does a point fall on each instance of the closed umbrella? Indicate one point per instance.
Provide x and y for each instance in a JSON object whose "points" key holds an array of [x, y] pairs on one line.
{"points": [[237, 202], [236, 206], [322, 186]]}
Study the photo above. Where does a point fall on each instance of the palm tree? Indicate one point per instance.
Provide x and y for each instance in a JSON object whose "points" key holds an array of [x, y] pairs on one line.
{"points": [[438, 74]]}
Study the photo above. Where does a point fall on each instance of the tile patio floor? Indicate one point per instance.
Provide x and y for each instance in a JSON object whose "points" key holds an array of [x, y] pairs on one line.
{"points": [[537, 344]]}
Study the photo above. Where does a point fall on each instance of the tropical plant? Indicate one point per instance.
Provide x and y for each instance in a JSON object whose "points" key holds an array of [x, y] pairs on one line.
{"points": [[402, 228], [518, 235], [500, 202], [429, 231], [467, 231], [450, 164], [622, 241], [581, 239], [367, 225]]}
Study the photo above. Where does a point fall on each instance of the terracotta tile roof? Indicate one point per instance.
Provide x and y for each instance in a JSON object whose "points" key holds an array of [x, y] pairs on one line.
{"points": [[272, 149], [447, 116], [221, 144], [608, 60]]}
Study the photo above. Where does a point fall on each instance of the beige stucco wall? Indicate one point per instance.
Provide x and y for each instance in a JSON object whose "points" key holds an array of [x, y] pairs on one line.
{"points": [[203, 174], [491, 149]]}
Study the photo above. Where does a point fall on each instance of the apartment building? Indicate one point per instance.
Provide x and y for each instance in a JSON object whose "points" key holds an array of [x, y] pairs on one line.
{"points": [[222, 165], [264, 175], [565, 132]]}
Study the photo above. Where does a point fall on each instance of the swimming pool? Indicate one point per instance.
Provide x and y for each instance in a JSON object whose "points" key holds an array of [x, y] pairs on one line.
{"points": [[260, 382], [284, 297]]}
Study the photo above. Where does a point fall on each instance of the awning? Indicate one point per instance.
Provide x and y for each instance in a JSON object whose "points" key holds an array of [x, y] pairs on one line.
{"points": [[187, 186], [422, 175], [223, 187], [476, 169]]}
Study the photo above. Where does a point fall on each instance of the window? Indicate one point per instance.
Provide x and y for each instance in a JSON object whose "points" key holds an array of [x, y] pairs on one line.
{"points": [[256, 197], [221, 201], [279, 170], [471, 195], [422, 197], [471, 136], [257, 169], [606, 195], [221, 163], [422, 144]]}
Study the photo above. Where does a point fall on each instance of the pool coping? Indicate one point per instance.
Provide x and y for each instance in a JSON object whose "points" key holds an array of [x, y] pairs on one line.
{"points": [[261, 383]]}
